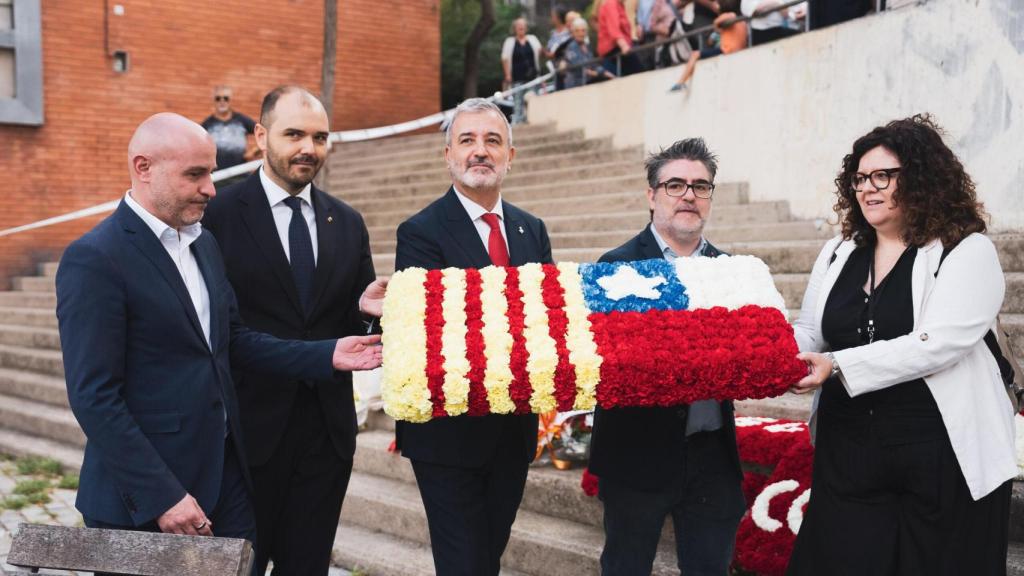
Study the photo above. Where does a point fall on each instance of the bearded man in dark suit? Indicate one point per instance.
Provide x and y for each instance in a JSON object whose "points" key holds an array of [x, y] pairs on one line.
{"points": [[471, 471]]}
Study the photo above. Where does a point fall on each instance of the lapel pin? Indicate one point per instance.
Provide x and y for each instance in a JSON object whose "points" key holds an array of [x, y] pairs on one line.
{"points": [[520, 229], [330, 219]]}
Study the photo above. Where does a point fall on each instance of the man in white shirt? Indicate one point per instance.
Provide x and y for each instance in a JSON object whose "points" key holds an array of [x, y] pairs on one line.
{"points": [[148, 322], [299, 260]]}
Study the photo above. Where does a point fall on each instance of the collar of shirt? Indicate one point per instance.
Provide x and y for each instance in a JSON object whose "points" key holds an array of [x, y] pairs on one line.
{"points": [[667, 250], [475, 210], [187, 234], [276, 194]]}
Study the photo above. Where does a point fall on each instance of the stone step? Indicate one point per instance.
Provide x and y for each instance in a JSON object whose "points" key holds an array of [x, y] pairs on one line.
{"points": [[594, 203], [29, 336], [433, 158], [33, 283], [561, 215], [793, 285], [788, 406], [798, 229], [48, 268], [1015, 559], [33, 300], [18, 444], [47, 362], [428, 158], [41, 317], [433, 139], [528, 165], [557, 181], [548, 491], [410, 200], [378, 554], [539, 544], [36, 387], [40, 420]]}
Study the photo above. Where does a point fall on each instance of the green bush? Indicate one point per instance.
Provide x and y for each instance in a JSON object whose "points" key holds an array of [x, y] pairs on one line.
{"points": [[13, 503], [458, 17], [68, 482]]}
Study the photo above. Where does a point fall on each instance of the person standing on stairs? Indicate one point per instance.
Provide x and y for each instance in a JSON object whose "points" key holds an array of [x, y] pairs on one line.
{"points": [[681, 462], [148, 325], [471, 471], [299, 259]]}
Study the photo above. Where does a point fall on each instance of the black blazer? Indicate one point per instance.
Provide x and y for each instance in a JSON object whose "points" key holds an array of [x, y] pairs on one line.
{"points": [[639, 447], [147, 389], [268, 301], [443, 236]]}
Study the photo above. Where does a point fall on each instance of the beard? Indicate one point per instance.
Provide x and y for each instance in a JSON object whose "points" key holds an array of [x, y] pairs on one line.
{"points": [[476, 179], [282, 167]]}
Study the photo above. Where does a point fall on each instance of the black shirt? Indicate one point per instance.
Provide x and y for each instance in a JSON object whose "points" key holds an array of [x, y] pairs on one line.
{"points": [[230, 137], [524, 65], [844, 325]]}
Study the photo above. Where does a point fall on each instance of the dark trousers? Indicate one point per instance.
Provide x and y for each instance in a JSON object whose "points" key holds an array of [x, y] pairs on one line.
{"points": [[232, 516], [470, 510], [890, 504], [758, 37], [299, 493], [621, 65], [705, 504]]}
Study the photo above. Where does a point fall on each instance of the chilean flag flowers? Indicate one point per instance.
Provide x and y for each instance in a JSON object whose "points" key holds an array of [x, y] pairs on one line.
{"points": [[568, 336]]}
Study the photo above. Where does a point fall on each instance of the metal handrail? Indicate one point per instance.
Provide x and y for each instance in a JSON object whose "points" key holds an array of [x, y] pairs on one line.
{"points": [[696, 32], [340, 136]]}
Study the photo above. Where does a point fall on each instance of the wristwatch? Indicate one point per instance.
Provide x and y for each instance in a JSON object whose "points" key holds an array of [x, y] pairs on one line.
{"points": [[835, 365]]}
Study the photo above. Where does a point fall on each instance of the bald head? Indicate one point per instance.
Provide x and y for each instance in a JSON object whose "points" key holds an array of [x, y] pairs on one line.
{"points": [[166, 135], [170, 159], [290, 96]]}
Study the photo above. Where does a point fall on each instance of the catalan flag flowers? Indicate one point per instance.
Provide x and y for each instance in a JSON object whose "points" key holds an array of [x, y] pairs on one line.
{"points": [[566, 337]]}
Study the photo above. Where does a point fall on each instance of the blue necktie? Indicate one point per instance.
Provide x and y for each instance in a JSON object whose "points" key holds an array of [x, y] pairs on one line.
{"points": [[300, 247]]}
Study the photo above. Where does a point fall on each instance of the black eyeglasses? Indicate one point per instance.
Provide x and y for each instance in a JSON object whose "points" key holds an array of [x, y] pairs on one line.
{"points": [[677, 188], [880, 179], [222, 98]]}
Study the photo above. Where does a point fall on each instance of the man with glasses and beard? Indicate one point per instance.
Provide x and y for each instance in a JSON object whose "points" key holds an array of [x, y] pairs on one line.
{"points": [[299, 260], [471, 470], [231, 132], [680, 462]]}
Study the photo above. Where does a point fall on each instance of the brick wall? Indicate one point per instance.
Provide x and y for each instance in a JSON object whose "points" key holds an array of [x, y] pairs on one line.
{"points": [[388, 70]]}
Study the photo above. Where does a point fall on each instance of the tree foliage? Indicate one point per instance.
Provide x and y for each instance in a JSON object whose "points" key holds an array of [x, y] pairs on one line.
{"points": [[458, 17]]}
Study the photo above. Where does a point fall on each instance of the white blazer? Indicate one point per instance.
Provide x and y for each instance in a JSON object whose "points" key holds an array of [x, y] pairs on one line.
{"points": [[952, 314]]}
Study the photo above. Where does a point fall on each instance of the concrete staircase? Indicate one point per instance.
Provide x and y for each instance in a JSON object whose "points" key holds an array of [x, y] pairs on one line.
{"points": [[590, 195]]}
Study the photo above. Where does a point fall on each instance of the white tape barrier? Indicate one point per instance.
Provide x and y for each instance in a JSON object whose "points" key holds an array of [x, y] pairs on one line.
{"points": [[336, 137]]}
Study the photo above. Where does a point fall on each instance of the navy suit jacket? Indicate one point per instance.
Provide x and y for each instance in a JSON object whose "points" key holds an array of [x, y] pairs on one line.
{"points": [[638, 447], [149, 392], [443, 236], [240, 218]]}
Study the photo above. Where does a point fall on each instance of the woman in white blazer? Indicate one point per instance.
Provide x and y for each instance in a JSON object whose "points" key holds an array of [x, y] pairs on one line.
{"points": [[914, 431]]}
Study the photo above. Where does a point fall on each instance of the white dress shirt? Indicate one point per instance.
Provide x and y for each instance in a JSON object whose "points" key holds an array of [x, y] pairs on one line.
{"points": [[177, 243], [283, 213], [476, 213]]}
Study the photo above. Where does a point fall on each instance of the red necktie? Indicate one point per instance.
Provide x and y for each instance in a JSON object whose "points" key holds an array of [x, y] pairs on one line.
{"points": [[496, 242]]}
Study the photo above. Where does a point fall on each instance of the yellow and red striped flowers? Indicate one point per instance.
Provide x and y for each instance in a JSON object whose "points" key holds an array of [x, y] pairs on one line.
{"points": [[562, 337]]}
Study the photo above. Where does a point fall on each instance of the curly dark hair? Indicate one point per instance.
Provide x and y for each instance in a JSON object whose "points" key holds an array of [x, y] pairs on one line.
{"points": [[936, 195]]}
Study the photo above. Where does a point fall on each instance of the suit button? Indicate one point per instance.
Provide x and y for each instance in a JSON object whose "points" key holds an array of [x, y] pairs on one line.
{"points": [[924, 337]]}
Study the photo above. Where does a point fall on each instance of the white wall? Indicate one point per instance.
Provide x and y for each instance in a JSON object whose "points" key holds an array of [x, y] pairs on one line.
{"points": [[782, 116]]}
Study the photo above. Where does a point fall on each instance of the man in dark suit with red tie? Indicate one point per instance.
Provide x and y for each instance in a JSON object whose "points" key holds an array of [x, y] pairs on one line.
{"points": [[299, 260], [471, 471]]}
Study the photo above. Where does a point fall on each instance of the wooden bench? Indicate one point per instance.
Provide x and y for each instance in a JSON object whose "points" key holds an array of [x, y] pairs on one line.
{"points": [[37, 546]]}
